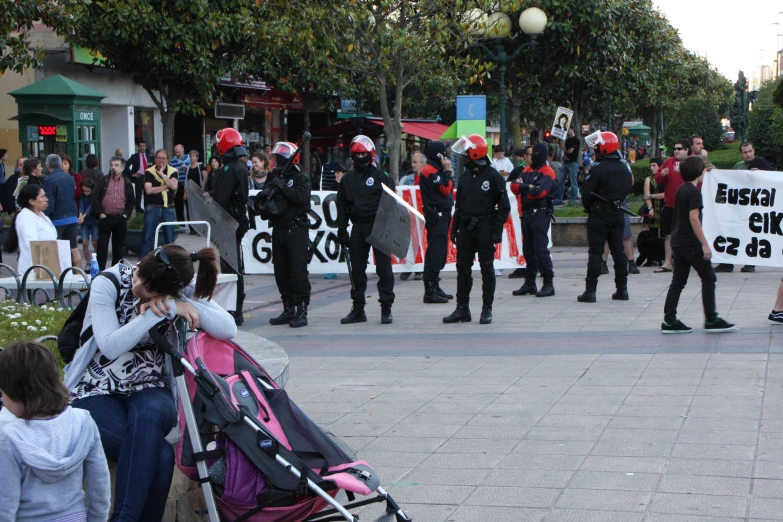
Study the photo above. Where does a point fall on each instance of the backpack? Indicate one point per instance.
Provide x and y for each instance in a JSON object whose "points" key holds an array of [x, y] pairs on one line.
{"points": [[71, 337]]}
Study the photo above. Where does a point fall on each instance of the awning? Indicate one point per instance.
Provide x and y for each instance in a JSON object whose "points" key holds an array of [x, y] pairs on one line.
{"points": [[429, 130], [39, 113], [345, 130]]}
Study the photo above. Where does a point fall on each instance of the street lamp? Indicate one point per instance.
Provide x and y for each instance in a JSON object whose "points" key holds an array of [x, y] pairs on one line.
{"points": [[497, 26]]}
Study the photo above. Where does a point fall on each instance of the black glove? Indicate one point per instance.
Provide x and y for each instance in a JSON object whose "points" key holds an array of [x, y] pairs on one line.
{"points": [[278, 182], [342, 236], [497, 237]]}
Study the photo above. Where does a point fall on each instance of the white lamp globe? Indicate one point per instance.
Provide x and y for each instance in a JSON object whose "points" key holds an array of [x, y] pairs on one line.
{"points": [[532, 21], [475, 22], [498, 25]]}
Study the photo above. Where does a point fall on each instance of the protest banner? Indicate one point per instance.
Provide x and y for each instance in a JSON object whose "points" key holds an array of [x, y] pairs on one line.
{"points": [[562, 122], [740, 222], [326, 255]]}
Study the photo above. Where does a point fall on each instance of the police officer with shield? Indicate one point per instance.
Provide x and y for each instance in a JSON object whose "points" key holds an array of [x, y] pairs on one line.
{"points": [[358, 196], [289, 191], [436, 185], [230, 191], [605, 188], [481, 210]]}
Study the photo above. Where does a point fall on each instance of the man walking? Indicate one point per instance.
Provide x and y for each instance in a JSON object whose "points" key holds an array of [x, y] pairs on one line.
{"points": [[181, 162], [113, 200], [160, 186], [135, 168], [60, 188]]}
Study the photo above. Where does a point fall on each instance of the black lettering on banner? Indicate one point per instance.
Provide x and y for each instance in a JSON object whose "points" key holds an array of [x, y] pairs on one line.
{"points": [[775, 219], [733, 196], [758, 248], [314, 248], [266, 251], [733, 248], [326, 208], [720, 195], [316, 223], [315, 199], [332, 246], [719, 244], [755, 218], [744, 196]]}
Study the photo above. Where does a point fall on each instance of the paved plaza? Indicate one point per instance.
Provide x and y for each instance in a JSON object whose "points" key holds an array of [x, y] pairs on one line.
{"points": [[557, 411]]}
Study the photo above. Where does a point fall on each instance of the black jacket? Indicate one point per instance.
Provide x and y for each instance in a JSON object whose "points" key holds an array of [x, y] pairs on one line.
{"points": [[359, 194], [436, 187], [609, 178], [229, 187], [296, 192], [8, 188], [482, 194], [133, 164], [100, 191]]}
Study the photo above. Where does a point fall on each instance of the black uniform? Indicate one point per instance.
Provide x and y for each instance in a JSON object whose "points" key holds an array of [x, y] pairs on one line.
{"points": [[481, 210], [609, 178], [536, 217], [436, 186], [290, 236], [229, 190], [358, 196]]}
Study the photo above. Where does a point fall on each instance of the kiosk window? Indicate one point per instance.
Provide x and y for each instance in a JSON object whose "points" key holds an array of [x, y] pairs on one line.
{"points": [[86, 143]]}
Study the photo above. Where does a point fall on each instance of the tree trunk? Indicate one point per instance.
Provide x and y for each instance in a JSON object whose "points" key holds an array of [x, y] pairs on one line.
{"points": [[168, 126], [305, 163], [654, 133], [516, 112]]}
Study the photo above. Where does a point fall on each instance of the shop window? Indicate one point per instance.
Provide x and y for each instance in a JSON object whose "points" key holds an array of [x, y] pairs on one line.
{"points": [[144, 127], [86, 143]]}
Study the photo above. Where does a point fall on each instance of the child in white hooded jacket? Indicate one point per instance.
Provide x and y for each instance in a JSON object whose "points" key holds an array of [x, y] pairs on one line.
{"points": [[50, 452]]}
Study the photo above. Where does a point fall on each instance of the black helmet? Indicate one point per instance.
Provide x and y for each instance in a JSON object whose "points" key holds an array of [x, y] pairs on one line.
{"points": [[434, 149]]}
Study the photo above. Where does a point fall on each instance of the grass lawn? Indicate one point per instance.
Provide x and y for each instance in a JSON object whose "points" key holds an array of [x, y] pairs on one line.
{"points": [[576, 210]]}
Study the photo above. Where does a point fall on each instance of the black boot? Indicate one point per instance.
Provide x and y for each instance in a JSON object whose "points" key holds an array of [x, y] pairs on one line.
{"points": [[440, 291], [460, 314], [589, 295], [300, 319], [386, 316], [486, 314], [286, 316], [621, 294], [356, 315], [548, 290], [430, 295], [529, 288]]}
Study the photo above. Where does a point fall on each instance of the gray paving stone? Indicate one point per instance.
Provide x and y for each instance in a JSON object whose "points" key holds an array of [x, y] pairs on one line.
{"points": [[547, 447], [630, 410], [512, 497], [528, 478], [615, 480], [449, 477], [430, 494], [604, 500], [768, 488], [706, 451], [422, 429], [747, 438], [713, 467], [576, 421], [768, 469], [542, 462], [497, 514], [492, 446], [766, 508], [632, 449], [638, 435], [405, 444], [624, 464], [578, 515], [663, 517], [661, 423], [705, 485], [705, 505], [563, 434], [461, 461]]}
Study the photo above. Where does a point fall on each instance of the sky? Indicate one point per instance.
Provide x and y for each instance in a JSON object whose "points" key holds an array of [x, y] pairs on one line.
{"points": [[732, 35]]}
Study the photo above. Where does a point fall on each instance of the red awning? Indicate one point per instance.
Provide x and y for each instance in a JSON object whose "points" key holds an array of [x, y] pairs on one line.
{"points": [[429, 130]]}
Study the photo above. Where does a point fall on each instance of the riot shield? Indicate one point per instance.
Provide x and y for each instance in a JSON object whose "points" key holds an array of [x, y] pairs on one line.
{"points": [[391, 231], [224, 227]]}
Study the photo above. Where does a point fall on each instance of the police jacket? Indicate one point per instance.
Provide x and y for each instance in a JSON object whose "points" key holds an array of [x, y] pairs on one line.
{"points": [[436, 186], [482, 194], [535, 187], [610, 178], [295, 191], [359, 194], [229, 186]]}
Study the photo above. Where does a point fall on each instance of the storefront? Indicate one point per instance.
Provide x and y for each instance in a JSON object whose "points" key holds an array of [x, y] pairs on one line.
{"points": [[59, 116]]}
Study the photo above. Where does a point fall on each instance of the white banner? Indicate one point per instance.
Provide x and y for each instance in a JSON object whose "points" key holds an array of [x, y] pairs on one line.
{"points": [[740, 221], [326, 256]]}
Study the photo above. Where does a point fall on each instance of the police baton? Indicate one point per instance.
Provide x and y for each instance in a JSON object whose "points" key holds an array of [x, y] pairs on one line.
{"points": [[349, 265], [622, 209]]}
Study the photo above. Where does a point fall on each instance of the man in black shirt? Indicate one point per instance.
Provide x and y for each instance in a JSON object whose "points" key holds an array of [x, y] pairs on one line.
{"points": [[570, 168], [358, 196], [691, 249], [481, 211]]}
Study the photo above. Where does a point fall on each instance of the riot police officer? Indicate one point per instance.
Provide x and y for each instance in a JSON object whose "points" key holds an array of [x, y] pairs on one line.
{"points": [[481, 210], [358, 196], [436, 185], [289, 188], [229, 190], [536, 185], [608, 178]]}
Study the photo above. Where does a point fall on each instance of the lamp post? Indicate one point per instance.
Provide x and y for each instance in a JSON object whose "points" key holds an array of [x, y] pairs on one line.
{"points": [[497, 26]]}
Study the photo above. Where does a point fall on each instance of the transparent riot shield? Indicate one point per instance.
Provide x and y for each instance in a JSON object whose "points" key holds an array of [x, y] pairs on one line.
{"points": [[224, 227], [391, 231]]}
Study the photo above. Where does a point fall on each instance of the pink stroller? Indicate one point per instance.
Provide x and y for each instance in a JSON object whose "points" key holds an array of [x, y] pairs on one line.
{"points": [[256, 455]]}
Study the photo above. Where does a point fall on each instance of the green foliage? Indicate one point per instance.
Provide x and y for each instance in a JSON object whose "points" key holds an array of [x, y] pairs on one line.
{"points": [[765, 130], [136, 222], [766, 92], [777, 96], [20, 321], [696, 116], [17, 17], [722, 159]]}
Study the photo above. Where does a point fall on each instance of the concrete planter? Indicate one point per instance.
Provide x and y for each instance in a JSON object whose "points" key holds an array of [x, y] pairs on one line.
{"points": [[573, 231]]}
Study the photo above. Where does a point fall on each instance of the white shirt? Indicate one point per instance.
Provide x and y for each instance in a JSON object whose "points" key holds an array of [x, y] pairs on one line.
{"points": [[502, 164], [31, 227]]}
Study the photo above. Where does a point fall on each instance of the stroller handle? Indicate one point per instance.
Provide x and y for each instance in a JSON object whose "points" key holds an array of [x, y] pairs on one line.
{"points": [[162, 342]]}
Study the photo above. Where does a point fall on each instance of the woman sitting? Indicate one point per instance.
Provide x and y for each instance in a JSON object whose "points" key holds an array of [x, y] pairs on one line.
{"points": [[123, 379], [29, 224]]}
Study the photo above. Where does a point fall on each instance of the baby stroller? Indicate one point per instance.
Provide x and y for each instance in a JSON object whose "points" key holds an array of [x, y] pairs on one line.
{"points": [[256, 455]]}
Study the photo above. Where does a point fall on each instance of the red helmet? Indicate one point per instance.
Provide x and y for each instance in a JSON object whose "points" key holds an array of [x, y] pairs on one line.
{"points": [[609, 143], [286, 149], [475, 146], [362, 143], [226, 139]]}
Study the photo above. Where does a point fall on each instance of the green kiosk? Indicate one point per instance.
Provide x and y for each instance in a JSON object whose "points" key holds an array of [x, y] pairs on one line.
{"points": [[59, 116]]}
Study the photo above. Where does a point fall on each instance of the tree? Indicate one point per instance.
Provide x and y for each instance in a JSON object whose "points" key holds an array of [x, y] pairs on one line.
{"points": [[696, 116], [178, 50], [16, 22], [765, 131]]}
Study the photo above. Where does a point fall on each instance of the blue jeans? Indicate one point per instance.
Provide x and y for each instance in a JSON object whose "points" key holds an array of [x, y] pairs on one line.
{"points": [[152, 218], [569, 170], [133, 430]]}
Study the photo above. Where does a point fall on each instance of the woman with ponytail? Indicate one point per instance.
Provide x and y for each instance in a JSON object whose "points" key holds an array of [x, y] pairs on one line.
{"points": [[123, 379]]}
